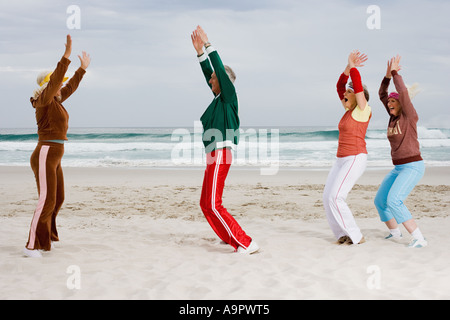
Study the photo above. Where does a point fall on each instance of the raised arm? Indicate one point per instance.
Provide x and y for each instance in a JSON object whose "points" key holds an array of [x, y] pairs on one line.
{"points": [[383, 92], [342, 82], [57, 77], [227, 88], [202, 57], [356, 59], [405, 101], [73, 83]]}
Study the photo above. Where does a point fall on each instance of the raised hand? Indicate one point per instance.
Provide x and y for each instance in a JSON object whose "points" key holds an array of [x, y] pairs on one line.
{"points": [[197, 42], [388, 71], [202, 34], [68, 45], [356, 59], [362, 58], [395, 63], [85, 60]]}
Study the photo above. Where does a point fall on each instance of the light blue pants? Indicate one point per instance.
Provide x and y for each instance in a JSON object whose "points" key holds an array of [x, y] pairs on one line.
{"points": [[395, 188]]}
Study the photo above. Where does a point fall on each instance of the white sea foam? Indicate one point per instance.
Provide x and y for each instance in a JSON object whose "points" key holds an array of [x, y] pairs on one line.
{"points": [[163, 147]]}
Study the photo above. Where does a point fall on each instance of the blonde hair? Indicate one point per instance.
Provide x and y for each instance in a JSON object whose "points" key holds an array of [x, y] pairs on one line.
{"points": [[413, 90]]}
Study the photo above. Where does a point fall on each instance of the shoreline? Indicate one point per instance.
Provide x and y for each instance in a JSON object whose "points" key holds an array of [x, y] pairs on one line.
{"points": [[433, 175]]}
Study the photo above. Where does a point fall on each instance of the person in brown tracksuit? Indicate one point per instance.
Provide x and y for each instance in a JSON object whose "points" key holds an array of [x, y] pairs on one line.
{"points": [[52, 122]]}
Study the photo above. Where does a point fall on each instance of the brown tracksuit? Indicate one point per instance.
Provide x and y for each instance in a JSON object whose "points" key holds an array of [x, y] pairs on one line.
{"points": [[52, 121]]}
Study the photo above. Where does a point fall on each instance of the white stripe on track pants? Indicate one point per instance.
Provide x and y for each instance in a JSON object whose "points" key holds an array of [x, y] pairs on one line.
{"points": [[222, 222]]}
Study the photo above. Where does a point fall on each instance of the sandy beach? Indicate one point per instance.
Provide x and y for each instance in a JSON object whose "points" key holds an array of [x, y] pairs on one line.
{"points": [[140, 234]]}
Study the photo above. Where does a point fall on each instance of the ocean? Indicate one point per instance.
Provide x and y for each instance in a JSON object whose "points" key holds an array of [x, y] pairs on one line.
{"points": [[284, 147]]}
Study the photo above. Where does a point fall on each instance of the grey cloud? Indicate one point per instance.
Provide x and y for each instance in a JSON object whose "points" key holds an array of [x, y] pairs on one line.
{"points": [[287, 56]]}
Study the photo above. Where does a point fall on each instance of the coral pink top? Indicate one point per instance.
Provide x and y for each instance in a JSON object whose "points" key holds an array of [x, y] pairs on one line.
{"points": [[352, 133]]}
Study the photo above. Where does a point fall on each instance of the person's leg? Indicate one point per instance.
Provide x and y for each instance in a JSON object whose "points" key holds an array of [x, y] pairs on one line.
{"points": [[60, 194], [225, 226], [45, 173], [408, 177], [381, 204], [341, 181], [205, 199], [329, 194]]}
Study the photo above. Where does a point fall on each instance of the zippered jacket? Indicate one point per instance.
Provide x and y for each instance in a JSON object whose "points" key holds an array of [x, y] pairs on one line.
{"points": [[221, 119]]}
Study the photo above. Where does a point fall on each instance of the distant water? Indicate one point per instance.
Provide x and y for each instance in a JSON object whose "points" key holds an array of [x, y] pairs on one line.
{"points": [[310, 147]]}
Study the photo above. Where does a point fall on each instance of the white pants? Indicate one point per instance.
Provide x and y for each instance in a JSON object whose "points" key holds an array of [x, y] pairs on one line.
{"points": [[341, 179]]}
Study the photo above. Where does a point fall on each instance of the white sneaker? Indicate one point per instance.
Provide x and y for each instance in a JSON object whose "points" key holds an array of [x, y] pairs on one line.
{"points": [[252, 248], [416, 243], [394, 238], [32, 253]]}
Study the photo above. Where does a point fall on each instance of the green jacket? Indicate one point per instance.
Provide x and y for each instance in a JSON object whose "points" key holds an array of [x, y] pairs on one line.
{"points": [[221, 119]]}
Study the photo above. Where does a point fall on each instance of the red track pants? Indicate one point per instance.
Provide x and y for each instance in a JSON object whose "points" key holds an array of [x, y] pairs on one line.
{"points": [[225, 226]]}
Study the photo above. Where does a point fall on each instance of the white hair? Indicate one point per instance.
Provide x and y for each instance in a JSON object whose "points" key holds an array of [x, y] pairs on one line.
{"points": [[41, 76], [230, 73], [38, 91]]}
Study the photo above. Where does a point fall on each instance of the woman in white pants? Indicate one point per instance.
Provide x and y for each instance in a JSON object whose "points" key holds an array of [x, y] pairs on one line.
{"points": [[351, 155]]}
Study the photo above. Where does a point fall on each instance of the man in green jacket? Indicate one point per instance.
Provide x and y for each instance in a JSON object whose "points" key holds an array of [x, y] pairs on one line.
{"points": [[220, 133]]}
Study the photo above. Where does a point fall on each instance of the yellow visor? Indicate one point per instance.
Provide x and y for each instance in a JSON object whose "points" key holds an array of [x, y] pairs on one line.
{"points": [[47, 79]]}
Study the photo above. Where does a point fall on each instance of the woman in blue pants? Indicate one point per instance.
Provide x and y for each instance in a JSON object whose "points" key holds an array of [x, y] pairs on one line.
{"points": [[405, 151]]}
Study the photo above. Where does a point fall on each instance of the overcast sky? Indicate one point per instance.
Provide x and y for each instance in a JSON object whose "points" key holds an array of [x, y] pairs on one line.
{"points": [[287, 56]]}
